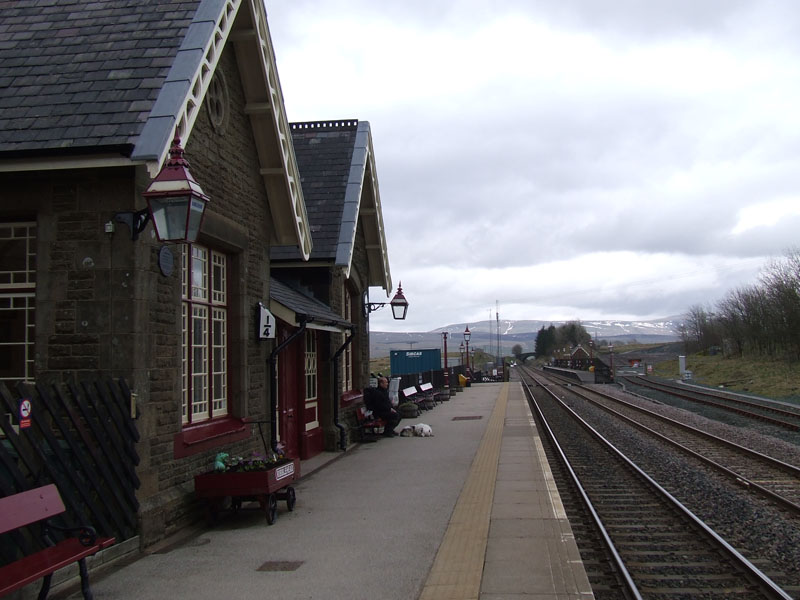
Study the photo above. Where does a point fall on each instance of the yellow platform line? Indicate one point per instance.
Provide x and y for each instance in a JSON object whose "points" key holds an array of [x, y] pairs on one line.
{"points": [[458, 566]]}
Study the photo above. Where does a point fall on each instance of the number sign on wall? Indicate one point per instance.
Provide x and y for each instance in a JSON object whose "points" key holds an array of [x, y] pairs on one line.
{"points": [[266, 323]]}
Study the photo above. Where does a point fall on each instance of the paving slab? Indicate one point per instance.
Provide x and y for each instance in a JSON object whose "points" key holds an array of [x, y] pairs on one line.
{"points": [[444, 517]]}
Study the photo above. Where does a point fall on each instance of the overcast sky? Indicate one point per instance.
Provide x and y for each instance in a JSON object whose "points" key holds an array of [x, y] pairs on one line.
{"points": [[583, 159]]}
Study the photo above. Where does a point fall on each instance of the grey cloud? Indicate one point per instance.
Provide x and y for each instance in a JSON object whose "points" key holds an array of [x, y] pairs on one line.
{"points": [[649, 159]]}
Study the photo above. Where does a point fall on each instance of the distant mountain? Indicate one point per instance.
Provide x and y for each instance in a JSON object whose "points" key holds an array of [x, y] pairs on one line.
{"points": [[484, 335]]}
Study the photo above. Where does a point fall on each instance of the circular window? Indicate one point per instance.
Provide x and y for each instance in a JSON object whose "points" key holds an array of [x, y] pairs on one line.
{"points": [[217, 102]]}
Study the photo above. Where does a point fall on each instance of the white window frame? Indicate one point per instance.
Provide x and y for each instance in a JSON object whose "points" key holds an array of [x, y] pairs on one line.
{"points": [[311, 378], [311, 365], [204, 339], [18, 294]]}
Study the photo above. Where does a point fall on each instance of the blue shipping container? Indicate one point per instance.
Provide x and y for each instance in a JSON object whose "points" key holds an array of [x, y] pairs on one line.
{"points": [[403, 362]]}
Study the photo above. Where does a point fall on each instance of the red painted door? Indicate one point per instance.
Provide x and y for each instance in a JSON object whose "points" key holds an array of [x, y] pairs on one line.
{"points": [[290, 363]]}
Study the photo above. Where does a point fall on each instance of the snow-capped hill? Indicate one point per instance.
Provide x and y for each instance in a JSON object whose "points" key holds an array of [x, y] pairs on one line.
{"points": [[485, 334]]}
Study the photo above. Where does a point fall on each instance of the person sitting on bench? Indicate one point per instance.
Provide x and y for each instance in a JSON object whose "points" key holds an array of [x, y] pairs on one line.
{"points": [[377, 400]]}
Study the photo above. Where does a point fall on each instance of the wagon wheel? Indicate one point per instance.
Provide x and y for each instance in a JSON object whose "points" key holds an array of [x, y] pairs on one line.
{"points": [[213, 508], [290, 498], [212, 513], [272, 508]]}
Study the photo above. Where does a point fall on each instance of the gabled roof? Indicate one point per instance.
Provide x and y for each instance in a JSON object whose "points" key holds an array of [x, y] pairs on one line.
{"points": [[340, 186], [75, 76], [111, 82], [293, 306]]}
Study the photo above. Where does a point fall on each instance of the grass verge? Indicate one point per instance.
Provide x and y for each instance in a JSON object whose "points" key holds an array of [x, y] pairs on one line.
{"points": [[771, 378]]}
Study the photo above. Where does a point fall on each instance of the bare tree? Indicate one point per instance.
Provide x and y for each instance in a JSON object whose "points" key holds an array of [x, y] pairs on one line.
{"points": [[732, 316], [762, 318], [781, 282]]}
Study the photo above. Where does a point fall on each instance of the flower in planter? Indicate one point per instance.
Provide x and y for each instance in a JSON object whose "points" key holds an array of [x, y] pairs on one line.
{"points": [[255, 462]]}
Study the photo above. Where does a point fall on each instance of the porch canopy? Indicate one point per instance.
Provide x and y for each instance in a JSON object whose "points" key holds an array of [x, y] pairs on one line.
{"points": [[292, 306]]}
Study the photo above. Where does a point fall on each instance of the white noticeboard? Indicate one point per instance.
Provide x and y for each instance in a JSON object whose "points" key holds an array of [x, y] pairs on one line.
{"points": [[266, 323], [394, 390]]}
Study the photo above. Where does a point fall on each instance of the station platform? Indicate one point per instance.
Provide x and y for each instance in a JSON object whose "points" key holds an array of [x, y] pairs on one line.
{"points": [[582, 377], [470, 513]]}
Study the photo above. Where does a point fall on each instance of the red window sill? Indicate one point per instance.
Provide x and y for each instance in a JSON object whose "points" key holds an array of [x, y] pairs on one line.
{"points": [[209, 434], [351, 397]]}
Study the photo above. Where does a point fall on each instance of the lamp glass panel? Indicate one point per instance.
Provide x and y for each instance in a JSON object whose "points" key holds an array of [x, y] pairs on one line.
{"points": [[196, 210], [399, 310], [169, 217]]}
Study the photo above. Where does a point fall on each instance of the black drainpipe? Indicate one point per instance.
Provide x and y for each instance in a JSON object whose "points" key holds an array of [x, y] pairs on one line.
{"points": [[335, 369], [273, 381]]}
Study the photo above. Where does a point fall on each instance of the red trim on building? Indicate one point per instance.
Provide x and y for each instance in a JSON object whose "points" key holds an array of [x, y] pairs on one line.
{"points": [[351, 397], [209, 434]]}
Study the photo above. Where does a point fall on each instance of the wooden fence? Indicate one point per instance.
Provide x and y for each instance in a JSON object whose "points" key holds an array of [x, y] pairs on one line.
{"points": [[81, 438]]}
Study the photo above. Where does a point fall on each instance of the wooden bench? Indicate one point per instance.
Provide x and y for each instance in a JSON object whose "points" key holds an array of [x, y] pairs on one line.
{"points": [[34, 507], [431, 395], [367, 424], [440, 395], [412, 394]]}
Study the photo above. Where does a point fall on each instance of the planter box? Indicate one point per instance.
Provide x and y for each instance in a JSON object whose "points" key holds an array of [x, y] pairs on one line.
{"points": [[266, 487]]}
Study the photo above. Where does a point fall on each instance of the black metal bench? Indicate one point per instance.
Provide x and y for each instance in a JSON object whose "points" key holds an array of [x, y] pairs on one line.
{"points": [[33, 508]]}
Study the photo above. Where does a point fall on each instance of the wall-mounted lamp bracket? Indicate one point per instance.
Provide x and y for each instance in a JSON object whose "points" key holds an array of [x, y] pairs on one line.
{"points": [[373, 306], [136, 221]]}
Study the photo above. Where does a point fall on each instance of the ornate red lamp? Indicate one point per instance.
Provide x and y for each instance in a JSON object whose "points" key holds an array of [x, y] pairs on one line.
{"points": [[175, 202]]}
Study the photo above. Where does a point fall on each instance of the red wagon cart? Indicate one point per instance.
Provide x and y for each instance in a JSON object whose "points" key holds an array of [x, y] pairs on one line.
{"points": [[265, 486]]}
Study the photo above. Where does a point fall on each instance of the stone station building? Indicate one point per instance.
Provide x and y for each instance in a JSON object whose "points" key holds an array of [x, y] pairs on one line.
{"points": [[92, 97]]}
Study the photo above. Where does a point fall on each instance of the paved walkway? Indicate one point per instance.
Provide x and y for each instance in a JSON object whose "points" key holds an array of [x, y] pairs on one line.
{"points": [[471, 513]]}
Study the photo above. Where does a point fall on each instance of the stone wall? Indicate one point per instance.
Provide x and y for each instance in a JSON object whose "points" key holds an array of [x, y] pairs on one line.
{"points": [[223, 159], [105, 308]]}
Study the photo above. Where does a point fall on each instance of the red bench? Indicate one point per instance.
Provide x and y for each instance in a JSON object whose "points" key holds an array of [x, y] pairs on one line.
{"points": [[368, 424], [39, 505]]}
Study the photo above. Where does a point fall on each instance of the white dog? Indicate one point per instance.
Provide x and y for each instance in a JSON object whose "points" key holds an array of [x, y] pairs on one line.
{"points": [[423, 430]]}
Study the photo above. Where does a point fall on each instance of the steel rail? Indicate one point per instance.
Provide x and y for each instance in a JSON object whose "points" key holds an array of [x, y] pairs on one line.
{"points": [[730, 396], [747, 452], [629, 585], [768, 586], [741, 411]]}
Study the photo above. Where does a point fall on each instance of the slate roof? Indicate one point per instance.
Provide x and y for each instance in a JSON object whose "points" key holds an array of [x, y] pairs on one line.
{"points": [[336, 164], [77, 74], [112, 82], [324, 152], [301, 304]]}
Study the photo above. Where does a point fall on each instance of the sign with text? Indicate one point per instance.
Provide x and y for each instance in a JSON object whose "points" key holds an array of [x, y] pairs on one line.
{"points": [[266, 323], [284, 471]]}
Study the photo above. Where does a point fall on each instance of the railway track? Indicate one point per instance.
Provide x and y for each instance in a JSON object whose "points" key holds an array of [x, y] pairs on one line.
{"points": [[775, 479], [780, 416], [657, 547]]}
